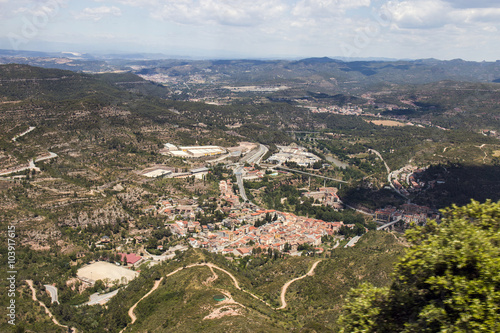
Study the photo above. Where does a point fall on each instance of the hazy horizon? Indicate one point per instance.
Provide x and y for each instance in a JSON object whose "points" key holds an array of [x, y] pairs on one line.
{"points": [[279, 29]]}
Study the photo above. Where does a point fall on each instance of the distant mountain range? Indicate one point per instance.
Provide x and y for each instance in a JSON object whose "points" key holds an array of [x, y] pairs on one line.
{"points": [[363, 72]]}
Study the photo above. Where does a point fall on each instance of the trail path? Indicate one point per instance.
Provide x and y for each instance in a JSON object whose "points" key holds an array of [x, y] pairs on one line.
{"points": [[485, 154], [235, 282], [47, 311], [286, 285], [131, 310]]}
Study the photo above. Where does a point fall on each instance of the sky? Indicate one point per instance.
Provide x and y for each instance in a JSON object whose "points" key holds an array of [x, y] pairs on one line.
{"points": [[404, 29]]}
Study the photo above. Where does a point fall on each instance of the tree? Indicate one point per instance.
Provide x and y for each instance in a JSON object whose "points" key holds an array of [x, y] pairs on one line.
{"points": [[287, 247], [448, 281]]}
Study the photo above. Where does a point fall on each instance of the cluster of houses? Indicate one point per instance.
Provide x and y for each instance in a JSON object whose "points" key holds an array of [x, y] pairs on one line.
{"points": [[411, 176], [227, 192], [326, 196], [251, 173], [344, 110], [241, 235], [407, 213]]}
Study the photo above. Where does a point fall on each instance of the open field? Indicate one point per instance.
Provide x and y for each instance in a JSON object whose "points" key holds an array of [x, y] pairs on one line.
{"points": [[105, 270], [390, 123]]}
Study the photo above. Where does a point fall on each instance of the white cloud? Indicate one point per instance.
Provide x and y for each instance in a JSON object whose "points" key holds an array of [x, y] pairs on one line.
{"points": [[30, 8], [233, 13], [419, 14], [326, 8], [474, 3], [478, 15], [426, 14], [98, 13], [245, 12]]}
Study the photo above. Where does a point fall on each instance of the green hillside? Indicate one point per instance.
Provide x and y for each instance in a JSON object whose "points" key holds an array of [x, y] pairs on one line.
{"points": [[184, 301]]}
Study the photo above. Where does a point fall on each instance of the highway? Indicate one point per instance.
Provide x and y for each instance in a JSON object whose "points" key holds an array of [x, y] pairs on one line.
{"points": [[254, 156], [53, 293], [239, 179]]}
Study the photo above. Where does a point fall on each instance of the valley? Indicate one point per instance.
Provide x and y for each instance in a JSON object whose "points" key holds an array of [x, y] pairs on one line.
{"points": [[257, 180]]}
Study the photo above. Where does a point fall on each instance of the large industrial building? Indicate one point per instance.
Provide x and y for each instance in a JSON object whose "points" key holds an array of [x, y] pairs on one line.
{"points": [[192, 151], [295, 154], [157, 171]]}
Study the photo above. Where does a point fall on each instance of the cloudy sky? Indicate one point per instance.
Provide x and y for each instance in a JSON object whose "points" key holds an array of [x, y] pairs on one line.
{"points": [[443, 29]]}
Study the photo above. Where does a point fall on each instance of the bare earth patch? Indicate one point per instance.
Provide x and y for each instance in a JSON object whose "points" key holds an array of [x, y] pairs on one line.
{"points": [[105, 271], [223, 311], [390, 123]]}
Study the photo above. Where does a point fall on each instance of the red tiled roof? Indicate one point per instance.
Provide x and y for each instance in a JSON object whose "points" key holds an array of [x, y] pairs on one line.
{"points": [[132, 258]]}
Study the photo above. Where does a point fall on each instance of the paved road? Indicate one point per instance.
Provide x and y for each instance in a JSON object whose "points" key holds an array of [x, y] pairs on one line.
{"points": [[47, 311], [387, 225], [352, 242], [255, 156], [357, 210], [380, 156], [31, 165], [53, 293], [239, 180], [389, 173], [219, 159], [31, 128], [50, 156], [101, 299]]}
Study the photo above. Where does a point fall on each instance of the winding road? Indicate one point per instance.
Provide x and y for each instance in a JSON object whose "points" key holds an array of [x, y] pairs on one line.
{"points": [[131, 310], [286, 285], [47, 311], [235, 282], [53, 293], [389, 173]]}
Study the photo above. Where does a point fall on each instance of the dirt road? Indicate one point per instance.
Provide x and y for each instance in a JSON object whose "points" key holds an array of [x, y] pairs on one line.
{"points": [[47, 311], [235, 282], [286, 285], [131, 310]]}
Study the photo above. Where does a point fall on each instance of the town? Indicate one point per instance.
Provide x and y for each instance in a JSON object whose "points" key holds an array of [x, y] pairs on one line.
{"points": [[245, 228]]}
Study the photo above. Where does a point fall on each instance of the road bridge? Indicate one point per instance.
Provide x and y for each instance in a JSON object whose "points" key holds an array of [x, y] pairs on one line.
{"points": [[387, 225], [310, 174]]}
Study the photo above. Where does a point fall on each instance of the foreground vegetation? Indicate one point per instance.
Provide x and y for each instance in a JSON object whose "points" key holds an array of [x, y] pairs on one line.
{"points": [[448, 281]]}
